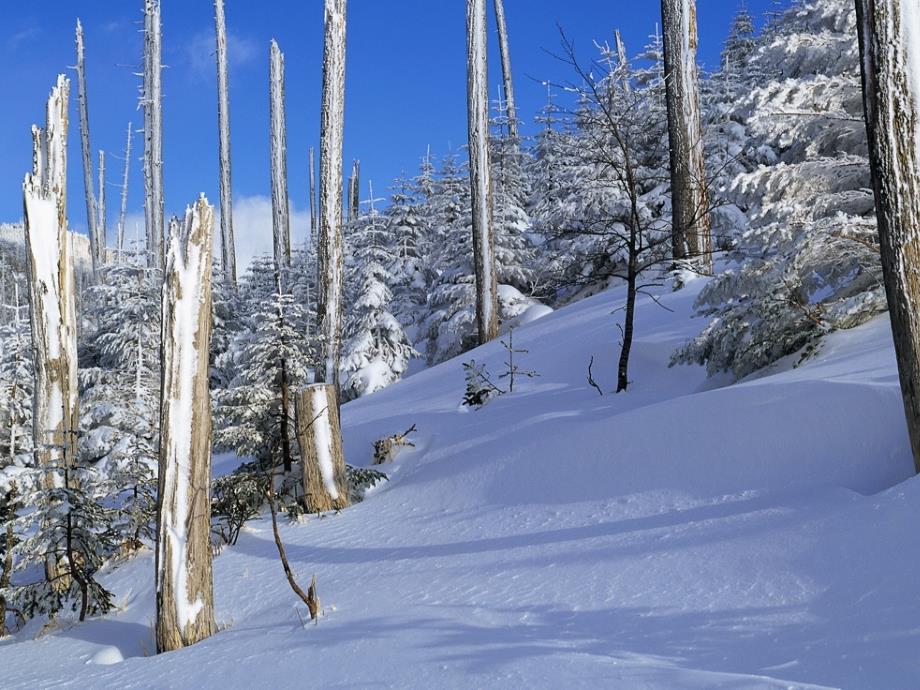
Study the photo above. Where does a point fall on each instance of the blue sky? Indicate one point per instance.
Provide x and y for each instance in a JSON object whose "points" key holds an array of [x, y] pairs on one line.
{"points": [[406, 86]]}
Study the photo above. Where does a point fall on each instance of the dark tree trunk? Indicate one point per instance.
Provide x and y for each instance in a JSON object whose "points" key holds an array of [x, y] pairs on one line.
{"points": [[889, 31]]}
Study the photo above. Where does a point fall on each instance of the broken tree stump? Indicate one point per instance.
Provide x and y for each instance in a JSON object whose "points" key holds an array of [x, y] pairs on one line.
{"points": [[325, 483]]}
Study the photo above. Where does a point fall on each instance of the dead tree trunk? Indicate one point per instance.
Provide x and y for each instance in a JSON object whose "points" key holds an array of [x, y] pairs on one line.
{"points": [[153, 134], [87, 156], [123, 211], [691, 223], [325, 484], [622, 61], [889, 31], [331, 253], [280, 217], [185, 592], [314, 229], [101, 224], [480, 184], [52, 289], [505, 51], [227, 243]]}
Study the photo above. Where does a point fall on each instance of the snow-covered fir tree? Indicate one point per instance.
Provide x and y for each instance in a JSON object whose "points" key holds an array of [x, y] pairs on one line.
{"points": [[120, 381], [271, 355], [376, 350], [807, 263]]}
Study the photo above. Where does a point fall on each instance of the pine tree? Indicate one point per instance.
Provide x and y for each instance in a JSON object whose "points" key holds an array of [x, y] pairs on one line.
{"points": [[271, 356], [377, 351], [806, 259]]}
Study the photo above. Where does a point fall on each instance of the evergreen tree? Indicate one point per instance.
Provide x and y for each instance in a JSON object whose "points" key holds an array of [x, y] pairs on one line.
{"points": [[271, 355], [377, 351], [806, 261]]}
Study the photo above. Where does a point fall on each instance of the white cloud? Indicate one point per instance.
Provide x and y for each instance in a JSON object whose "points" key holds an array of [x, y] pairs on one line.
{"points": [[200, 53], [252, 228]]}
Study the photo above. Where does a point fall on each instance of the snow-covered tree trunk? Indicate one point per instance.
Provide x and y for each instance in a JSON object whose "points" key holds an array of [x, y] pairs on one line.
{"points": [[331, 252], [101, 224], [691, 222], [185, 596], [622, 60], [281, 228], [480, 184], [123, 211], [227, 243], [314, 229], [153, 134], [52, 289], [889, 39], [505, 52], [91, 219], [325, 484]]}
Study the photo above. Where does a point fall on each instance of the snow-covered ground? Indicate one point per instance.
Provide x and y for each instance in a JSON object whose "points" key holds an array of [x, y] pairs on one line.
{"points": [[680, 535]]}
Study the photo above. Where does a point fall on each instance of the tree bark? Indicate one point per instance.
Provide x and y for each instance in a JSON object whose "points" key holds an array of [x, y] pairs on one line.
{"points": [[91, 220], [314, 229], [101, 225], [691, 222], [331, 253], [325, 484], [280, 216], [123, 211], [480, 184], [889, 31], [505, 52], [52, 298], [185, 596], [622, 61], [153, 135], [227, 243], [52, 289]]}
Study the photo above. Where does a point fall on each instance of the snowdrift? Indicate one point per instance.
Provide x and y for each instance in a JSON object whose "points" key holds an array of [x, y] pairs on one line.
{"points": [[678, 535]]}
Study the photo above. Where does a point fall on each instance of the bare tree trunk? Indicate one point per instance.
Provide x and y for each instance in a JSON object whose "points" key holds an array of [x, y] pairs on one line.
{"points": [[123, 211], [101, 224], [354, 190], [691, 222], [52, 291], [6, 572], [280, 215], [506, 68], [325, 484], [332, 127], [480, 184], [87, 156], [185, 591], [314, 229], [153, 134], [52, 298], [889, 31], [622, 60], [228, 250]]}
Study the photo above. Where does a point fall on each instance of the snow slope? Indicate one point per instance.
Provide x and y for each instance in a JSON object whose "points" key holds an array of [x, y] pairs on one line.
{"points": [[760, 535]]}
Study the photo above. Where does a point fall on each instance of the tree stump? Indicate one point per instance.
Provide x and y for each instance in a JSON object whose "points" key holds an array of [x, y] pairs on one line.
{"points": [[185, 589], [325, 484]]}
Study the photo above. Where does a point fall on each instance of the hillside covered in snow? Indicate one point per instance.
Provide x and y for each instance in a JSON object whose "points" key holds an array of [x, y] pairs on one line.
{"points": [[754, 535]]}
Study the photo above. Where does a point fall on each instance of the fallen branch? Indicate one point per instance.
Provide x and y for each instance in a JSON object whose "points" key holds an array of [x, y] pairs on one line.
{"points": [[591, 378], [310, 597]]}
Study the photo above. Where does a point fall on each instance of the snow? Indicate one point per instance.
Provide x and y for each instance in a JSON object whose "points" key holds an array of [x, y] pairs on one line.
{"points": [[322, 429], [680, 535]]}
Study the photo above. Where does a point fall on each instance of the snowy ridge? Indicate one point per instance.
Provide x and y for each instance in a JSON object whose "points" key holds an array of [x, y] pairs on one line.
{"points": [[677, 536]]}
